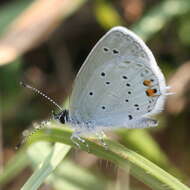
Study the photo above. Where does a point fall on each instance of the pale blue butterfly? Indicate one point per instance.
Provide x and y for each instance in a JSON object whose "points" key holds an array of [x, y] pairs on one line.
{"points": [[119, 86]]}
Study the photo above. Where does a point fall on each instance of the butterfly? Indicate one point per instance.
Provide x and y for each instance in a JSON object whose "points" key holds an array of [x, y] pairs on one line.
{"points": [[119, 86]]}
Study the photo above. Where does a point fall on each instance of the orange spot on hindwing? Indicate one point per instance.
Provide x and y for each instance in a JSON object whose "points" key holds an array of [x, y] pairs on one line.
{"points": [[151, 92], [147, 82]]}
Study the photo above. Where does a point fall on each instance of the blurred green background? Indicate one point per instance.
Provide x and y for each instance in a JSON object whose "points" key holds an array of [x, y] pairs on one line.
{"points": [[46, 42]]}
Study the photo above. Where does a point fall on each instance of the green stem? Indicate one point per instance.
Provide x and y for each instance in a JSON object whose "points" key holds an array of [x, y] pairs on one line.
{"points": [[140, 167]]}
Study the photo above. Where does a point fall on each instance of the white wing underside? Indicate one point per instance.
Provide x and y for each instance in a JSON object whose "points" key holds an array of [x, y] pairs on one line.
{"points": [[108, 90]]}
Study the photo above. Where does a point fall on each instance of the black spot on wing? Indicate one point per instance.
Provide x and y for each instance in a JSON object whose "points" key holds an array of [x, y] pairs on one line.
{"points": [[105, 49], [115, 51], [103, 74], [103, 107], [130, 117]]}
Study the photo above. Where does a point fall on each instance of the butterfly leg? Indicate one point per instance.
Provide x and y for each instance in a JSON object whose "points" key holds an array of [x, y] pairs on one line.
{"points": [[101, 136], [76, 136]]}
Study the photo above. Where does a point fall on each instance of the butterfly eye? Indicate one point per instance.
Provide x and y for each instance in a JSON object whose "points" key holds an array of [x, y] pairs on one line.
{"points": [[107, 82], [90, 93], [124, 77], [128, 84]]}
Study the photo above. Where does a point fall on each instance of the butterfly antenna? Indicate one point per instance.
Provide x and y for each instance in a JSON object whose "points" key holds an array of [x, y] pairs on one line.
{"points": [[41, 93]]}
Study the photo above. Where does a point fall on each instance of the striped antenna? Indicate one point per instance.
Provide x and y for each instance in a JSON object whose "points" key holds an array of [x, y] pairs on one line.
{"points": [[41, 93]]}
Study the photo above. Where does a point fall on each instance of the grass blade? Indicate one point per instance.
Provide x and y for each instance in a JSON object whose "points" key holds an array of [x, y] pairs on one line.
{"points": [[51, 162], [140, 168]]}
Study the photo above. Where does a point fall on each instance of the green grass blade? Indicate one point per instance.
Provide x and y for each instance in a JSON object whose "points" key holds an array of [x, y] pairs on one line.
{"points": [[141, 168], [79, 178], [51, 162], [71, 176]]}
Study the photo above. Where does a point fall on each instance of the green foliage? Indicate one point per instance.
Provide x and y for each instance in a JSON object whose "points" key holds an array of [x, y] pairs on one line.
{"points": [[10, 11]]}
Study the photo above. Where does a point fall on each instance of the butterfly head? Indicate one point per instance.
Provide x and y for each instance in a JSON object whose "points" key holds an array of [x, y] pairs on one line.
{"points": [[62, 116]]}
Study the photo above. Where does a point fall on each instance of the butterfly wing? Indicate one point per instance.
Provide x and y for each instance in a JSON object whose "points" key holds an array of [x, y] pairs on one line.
{"points": [[119, 82]]}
